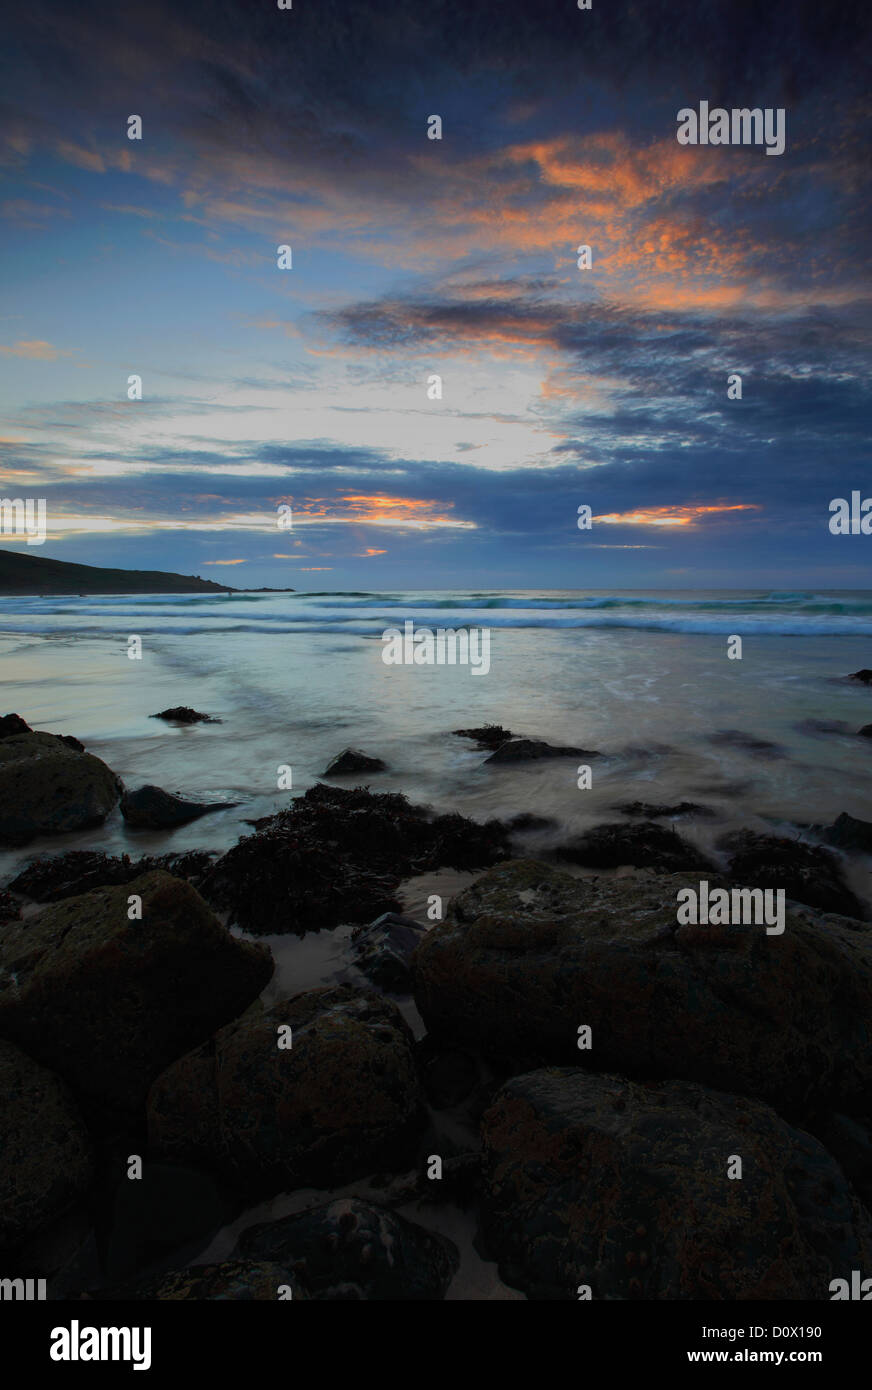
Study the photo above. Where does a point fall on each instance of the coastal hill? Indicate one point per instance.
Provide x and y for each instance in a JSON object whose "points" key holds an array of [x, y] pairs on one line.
{"points": [[32, 574]]}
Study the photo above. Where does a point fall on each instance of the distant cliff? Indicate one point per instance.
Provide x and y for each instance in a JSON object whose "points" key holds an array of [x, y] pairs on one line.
{"points": [[32, 574]]}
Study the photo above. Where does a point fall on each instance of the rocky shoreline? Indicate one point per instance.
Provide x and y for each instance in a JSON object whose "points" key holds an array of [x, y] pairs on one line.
{"points": [[548, 1070]]}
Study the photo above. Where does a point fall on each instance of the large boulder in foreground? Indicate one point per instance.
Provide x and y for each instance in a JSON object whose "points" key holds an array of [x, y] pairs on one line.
{"points": [[45, 1156], [528, 954], [342, 1100], [48, 787], [598, 1181], [109, 1002], [350, 1249]]}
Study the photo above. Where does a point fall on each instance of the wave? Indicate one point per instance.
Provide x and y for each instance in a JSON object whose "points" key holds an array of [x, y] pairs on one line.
{"points": [[359, 613]]}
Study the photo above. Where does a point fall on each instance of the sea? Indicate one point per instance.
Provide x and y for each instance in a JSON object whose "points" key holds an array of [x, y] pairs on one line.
{"points": [[767, 740]]}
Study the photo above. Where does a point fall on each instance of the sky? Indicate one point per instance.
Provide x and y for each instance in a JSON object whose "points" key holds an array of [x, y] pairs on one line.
{"points": [[413, 258]]}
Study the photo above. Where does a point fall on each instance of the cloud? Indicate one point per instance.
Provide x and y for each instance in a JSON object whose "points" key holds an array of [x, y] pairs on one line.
{"points": [[35, 349]]}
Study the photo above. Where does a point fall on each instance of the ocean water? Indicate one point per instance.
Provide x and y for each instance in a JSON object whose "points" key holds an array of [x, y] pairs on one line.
{"points": [[643, 678]]}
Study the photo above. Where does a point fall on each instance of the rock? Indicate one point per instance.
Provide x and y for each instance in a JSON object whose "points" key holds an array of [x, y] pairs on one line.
{"points": [[864, 676], [46, 788], [527, 955], [71, 742], [45, 1156], [342, 1100], [183, 714], [646, 845], [747, 743], [57, 876], [523, 750], [151, 808], [352, 1250], [166, 1209], [110, 1002], [487, 735], [655, 810], [807, 873], [234, 1281], [866, 731], [847, 832], [351, 760], [596, 1180], [13, 724], [339, 855], [384, 949]]}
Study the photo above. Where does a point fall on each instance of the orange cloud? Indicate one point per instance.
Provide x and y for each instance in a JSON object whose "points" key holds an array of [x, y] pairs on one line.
{"points": [[378, 509], [671, 516], [36, 349]]}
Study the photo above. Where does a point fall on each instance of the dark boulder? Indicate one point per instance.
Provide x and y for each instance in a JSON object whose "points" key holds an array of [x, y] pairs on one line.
{"points": [[866, 731], [352, 1250], [125, 996], [597, 1181], [152, 808], [341, 1100], [847, 832], [351, 761], [13, 724], [47, 788], [864, 676], [384, 950], [45, 1154], [183, 714], [525, 750], [528, 955]]}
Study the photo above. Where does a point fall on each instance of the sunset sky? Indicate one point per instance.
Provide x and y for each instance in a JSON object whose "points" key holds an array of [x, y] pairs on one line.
{"points": [[413, 256]]}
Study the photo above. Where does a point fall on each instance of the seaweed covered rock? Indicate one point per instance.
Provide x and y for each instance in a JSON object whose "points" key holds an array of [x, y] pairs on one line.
{"points": [[47, 787], [108, 1001], [45, 1154], [339, 855], [624, 1188], [486, 735], [352, 1250], [316, 1090], [53, 877], [646, 845], [807, 873], [528, 955]]}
